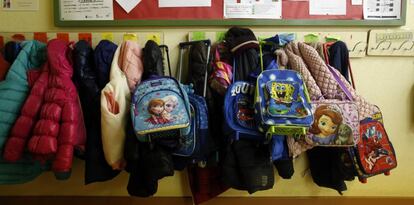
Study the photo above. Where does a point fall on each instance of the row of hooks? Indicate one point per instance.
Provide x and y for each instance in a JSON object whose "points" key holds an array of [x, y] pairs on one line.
{"points": [[92, 38]]}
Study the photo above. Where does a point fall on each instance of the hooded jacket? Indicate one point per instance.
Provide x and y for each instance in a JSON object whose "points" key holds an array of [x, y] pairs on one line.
{"points": [[14, 89], [104, 53], [51, 122], [126, 72], [13, 92], [86, 77]]}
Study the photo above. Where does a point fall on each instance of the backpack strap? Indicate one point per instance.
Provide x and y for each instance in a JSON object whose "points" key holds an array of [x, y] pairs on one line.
{"points": [[168, 57], [340, 83], [186, 44]]}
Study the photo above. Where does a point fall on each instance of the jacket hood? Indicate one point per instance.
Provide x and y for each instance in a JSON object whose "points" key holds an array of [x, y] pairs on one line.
{"points": [[37, 52], [104, 53], [83, 62], [59, 55], [130, 63], [153, 64]]}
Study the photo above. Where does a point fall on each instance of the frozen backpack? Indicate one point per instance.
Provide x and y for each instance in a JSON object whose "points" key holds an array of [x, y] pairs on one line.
{"points": [[282, 103], [239, 111], [160, 109]]}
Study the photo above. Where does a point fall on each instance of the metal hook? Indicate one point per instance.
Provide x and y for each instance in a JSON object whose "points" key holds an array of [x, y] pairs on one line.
{"points": [[356, 45], [381, 42], [407, 49]]}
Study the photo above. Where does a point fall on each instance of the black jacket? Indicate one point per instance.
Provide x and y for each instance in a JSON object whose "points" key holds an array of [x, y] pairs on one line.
{"points": [[86, 81]]}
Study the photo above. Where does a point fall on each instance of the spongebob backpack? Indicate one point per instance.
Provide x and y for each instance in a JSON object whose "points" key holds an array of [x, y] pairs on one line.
{"points": [[282, 104]]}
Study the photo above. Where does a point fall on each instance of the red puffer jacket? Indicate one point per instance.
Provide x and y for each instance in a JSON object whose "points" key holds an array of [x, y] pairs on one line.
{"points": [[51, 114]]}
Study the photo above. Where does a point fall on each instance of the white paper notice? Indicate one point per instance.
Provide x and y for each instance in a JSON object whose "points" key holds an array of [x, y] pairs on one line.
{"points": [[255, 9], [184, 3], [382, 9], [128, 5], [86, 10], [356, 2], [20, 5], [324, 7]]}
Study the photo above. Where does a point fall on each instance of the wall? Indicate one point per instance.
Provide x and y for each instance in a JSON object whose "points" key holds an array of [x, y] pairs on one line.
{"points": [[385, 81]]}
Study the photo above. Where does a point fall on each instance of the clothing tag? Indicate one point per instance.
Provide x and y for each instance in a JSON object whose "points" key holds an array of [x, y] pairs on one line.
{"points": [[155, 37], [130, 37], [311, 38], [332, 38], [220, 35], [107, 36], [198, 36], [18, 37], [40, 36], [63, 36], [86, 37]]}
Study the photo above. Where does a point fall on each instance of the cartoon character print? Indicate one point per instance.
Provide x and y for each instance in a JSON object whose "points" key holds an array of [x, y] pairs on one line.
{"points": [[373, 148], [281, 95], [170, 103], [155, 109], [344, 136], [326, 123], [245, 112]]}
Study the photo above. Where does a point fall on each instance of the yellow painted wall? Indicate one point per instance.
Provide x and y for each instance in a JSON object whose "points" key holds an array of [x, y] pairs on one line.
{"points": [[385, 81]]}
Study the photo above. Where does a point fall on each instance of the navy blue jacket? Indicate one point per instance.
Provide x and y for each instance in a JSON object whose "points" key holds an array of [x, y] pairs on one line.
{"points": [[91, 70]]}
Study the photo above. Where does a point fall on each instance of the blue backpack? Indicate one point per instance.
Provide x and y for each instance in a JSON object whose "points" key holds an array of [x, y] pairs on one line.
{"points": [[239, 111], [160, 109], [194, 144], [282, 103], [191, 145]]}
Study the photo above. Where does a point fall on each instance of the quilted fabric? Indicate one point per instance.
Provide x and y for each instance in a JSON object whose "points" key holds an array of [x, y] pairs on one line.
{"points": [[130, 62], [320, 71], [14, 89], [365, 109], [13, 92], [51, 120], [296, 63]]}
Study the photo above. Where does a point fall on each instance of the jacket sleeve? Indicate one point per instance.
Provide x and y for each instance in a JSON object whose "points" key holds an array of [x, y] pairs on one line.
{"points": [[67, 138], [22, 129], [113, 121]]}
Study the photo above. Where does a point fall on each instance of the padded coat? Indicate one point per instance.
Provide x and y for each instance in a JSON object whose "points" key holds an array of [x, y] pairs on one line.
{"points": [[51, 116], [13, 92], [104, 53], [14, 89], [126, 72], [86, 80]]}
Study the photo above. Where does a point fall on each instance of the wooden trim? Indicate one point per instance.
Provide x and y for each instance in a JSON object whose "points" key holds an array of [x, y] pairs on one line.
{"points": [[340, 200], [231, 22]]}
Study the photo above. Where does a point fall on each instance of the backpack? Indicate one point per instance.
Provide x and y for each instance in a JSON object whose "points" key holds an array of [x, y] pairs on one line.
{"points": [[374, 154], [282, 103], [221, 75], [193, 145], [160, 109], [239, 111]]}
